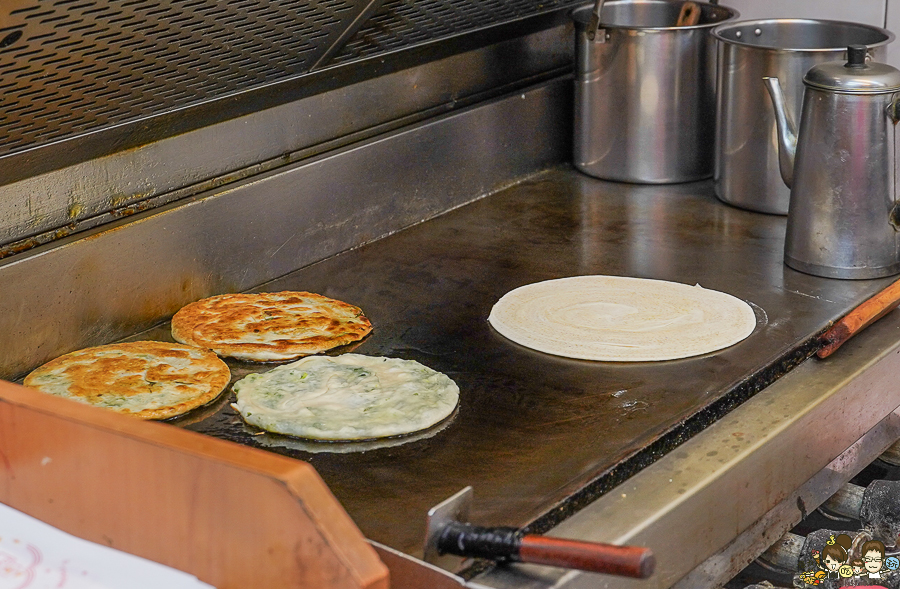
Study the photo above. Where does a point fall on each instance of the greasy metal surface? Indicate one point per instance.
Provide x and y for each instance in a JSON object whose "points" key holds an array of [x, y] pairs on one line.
{"points": [[735, 488], [538, 436], [42, 208], [134, 273]]}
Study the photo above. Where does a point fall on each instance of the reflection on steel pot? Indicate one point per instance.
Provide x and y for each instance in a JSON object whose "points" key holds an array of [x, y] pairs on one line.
{"points": [[645, 91], [746, 171]]}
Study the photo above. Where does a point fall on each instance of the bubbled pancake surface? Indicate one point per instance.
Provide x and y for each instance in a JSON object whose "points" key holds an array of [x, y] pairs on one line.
{"points": [[269, 326], [150, 380]]}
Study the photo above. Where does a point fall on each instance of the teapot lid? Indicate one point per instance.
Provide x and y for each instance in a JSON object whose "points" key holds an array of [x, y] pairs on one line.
{"points": [[855, 76]]}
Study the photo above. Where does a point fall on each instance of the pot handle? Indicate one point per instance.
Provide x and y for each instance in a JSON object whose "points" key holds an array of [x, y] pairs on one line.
{"points": [[594, 32]]}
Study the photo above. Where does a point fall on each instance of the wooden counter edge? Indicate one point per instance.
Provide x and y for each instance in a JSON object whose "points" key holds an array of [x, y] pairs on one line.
{"points": [[178, 497]]}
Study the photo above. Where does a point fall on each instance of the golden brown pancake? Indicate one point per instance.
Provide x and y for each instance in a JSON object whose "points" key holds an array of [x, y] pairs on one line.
{"points": [[269, 326], [150, 380]]}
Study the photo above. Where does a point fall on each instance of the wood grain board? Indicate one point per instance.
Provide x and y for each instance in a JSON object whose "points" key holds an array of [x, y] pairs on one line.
{"points": [[234, 516]]}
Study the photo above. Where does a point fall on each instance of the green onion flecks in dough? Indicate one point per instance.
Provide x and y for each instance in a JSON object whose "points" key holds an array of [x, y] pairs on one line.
{"points": [[347, 397]]}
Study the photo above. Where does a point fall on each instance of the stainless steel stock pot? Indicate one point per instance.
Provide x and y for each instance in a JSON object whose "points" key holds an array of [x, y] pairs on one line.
{"points": [[746, 168], [645, 91]]}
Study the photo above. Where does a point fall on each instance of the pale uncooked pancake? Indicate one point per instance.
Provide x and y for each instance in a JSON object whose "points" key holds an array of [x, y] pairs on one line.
{"points": [[347, 397], [270, 325], [620, 319], [150, 380]]}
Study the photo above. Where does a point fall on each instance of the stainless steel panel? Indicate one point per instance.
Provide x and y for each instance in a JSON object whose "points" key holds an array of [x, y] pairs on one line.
{"points": [[45, 207], [785, 450], [129, 275]]}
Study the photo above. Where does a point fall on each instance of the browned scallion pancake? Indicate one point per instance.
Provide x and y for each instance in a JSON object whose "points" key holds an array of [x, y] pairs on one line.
{"points": [[150, 380], [269, 326]]}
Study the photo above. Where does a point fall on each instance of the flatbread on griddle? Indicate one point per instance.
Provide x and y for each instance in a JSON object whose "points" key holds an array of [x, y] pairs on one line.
{"points": [[269, 326], [346, 397], [621, 319], [150, 380]]}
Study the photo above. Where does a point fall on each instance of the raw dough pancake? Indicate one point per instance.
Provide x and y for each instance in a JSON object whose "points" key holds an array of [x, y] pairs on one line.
{"points": [[150, 380], [269, 326], [347, 397], [620, 319]]}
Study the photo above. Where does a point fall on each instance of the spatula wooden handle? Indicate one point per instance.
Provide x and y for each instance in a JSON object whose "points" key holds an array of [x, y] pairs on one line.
{"points": [[510, 544], [625, 561], [858, 319]]}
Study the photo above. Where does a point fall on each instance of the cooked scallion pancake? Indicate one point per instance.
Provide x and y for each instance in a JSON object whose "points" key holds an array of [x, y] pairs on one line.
{"points": [[150, 380], [269, 326], [347, 397]]}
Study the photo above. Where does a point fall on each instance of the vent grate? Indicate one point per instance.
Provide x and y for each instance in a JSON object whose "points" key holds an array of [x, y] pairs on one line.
{"points": [[69, 66], [402, 23], [72, 67]]}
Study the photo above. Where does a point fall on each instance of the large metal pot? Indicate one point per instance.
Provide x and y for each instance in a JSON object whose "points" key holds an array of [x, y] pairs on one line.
{"points": [[645, 92], [746, 171]]}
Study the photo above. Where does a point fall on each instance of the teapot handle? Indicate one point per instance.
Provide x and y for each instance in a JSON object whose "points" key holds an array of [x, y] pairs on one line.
{"points": [[893, 113], [893, 110]]}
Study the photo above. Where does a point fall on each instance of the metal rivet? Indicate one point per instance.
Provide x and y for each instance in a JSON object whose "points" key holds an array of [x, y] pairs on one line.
{"points": [[757, 32], [738, 34]]}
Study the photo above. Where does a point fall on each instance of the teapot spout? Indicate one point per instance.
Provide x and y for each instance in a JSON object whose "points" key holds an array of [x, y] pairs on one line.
{"points": [[787, 134]]}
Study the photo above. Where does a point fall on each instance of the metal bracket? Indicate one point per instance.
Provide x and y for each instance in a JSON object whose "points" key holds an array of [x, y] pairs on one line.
{"points": [[453, 509], [594, 32], [597, 35]]}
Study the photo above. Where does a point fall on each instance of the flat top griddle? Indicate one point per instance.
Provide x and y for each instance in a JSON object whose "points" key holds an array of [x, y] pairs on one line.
{"points": [[537, 435]]}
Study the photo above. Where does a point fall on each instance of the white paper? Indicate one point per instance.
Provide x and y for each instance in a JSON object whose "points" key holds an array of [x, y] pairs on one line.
{"points": [[34, 555]]}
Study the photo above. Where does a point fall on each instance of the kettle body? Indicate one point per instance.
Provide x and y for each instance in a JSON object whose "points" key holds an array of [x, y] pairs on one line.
{"points": [[842, 170], [840, 217]]}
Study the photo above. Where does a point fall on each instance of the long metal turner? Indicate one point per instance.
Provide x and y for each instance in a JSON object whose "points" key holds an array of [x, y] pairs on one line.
{"points": [[448, 534]]}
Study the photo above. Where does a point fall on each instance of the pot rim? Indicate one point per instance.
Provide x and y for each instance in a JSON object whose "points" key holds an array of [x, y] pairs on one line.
{"points": [[719, 29], [587, 9]]}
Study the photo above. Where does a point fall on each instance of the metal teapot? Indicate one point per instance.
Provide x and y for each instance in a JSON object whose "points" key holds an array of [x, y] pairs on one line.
{"points": [[841, 168]]}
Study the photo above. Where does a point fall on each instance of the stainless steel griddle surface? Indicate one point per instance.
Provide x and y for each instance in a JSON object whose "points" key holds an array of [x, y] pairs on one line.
{"points": [[537, 435]]}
